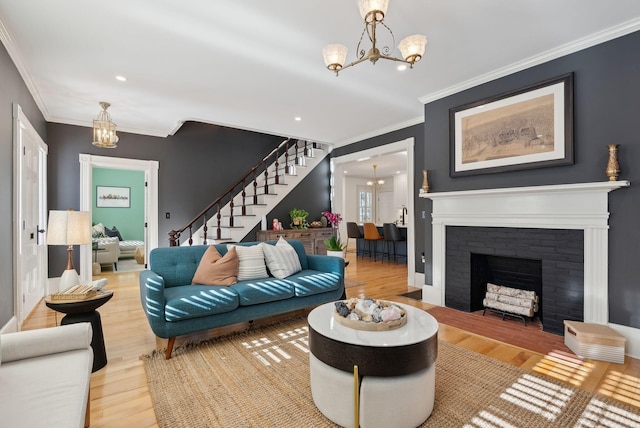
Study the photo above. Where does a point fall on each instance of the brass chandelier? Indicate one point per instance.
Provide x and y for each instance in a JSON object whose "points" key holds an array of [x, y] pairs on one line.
{"points": [[373, 12], [375, 183], [104, 130]]}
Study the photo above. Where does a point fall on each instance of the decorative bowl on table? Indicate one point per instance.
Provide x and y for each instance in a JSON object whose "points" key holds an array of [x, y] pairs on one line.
{"points": [[369, 314]]}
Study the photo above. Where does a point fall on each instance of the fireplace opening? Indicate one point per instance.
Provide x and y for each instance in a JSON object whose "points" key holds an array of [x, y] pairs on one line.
{"points": [[513, 272], [561, 252]]}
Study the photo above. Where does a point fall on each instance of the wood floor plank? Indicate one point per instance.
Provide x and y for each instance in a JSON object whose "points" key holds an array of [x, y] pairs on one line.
{"points": [[120, 397]]}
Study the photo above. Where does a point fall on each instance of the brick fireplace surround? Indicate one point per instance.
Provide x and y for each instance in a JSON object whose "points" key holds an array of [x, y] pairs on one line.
{"points": [[582, 206]]}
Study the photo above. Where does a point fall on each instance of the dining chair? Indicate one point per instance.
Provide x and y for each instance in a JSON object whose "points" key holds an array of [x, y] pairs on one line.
{"points": [[372, 235]]}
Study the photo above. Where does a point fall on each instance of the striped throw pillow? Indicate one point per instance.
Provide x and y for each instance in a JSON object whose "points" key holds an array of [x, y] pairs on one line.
{"points": [[251, 262], [282, 259]]}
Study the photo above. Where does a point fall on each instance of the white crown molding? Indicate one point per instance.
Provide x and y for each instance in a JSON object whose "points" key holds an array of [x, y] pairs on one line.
{"points": [[566, 49], [16, 56], [381, 131], [89, 124]]}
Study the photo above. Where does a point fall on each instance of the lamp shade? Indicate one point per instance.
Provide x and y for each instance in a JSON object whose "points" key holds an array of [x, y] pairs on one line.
{"points": [[412, 47], [367, 6], [334, 56], [69, 228]]}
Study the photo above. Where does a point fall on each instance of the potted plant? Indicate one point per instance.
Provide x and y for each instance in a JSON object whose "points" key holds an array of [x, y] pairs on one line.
{"points": [[335, 247], [299, 218]]}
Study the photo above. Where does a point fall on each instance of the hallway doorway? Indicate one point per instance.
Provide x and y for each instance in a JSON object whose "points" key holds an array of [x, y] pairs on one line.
{"points": [[340, 199], [150, 170]]}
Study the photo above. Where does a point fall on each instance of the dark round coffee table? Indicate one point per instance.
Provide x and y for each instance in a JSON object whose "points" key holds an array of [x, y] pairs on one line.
{"points": [[78, 311]]}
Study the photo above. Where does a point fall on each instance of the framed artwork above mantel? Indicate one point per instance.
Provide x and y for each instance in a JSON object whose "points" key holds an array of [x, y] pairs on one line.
{"points": [[531, 127]]}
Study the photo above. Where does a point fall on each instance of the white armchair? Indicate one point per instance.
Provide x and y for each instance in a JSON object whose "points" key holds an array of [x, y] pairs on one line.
{"points": [[108, 253], [45, 377]]}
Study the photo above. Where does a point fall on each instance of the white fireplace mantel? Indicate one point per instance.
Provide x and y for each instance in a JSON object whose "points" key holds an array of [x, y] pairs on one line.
{"points": [[566, 206]]}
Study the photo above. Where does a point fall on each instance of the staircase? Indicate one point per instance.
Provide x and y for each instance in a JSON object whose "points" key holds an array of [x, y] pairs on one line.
{"points": [[237, 211]]}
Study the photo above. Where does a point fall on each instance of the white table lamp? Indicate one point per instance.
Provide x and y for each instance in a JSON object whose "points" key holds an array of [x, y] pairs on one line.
{"points": [[69, 228]]}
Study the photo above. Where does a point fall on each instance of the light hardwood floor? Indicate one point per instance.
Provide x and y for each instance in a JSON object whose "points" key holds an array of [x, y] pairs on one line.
{"points": [[119, 394]]}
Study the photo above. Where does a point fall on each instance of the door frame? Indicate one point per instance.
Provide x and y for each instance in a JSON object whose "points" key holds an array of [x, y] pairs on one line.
{"points": [[339, 198], [150, 169], [21, 124]]}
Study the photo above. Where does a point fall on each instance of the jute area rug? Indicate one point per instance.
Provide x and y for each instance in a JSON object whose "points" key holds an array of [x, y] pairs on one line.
{"points": [[261, 379]]}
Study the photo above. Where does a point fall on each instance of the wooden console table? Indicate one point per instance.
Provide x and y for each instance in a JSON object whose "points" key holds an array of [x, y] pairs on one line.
{"points": [[312, 238]]}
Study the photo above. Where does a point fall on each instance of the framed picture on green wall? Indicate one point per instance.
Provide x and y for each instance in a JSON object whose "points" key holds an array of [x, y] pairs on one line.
{"points": [[113, 197]]}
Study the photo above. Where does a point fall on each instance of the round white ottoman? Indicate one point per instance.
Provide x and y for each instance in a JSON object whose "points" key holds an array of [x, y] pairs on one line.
{"points": [[396, 368]]}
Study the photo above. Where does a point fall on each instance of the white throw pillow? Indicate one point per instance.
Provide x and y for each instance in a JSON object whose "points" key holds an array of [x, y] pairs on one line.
{"points": [[97, 231], [282, 259], [251, 262]]}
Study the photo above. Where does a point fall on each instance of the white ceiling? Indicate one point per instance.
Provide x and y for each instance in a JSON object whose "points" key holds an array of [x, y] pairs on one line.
{"points": [[257, 64], [387, 165]]}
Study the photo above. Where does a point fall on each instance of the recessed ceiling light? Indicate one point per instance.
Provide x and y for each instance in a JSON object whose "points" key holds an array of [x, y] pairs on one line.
{"points": [[121, 78], [345, 171], [402, 67], [297, 118], [397, 172], [363, 159]]}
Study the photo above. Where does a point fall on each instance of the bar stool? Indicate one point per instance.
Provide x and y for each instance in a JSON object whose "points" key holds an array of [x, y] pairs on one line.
{"points": [[353, 231], [392, 236], [372, 235]]}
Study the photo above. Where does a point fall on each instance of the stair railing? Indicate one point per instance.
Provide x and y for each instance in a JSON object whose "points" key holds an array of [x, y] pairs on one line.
{"points": [[215, 207]]}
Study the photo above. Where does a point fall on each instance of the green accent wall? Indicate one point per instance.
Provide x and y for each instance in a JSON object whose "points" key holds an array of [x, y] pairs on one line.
{"points": [[129, 221]]}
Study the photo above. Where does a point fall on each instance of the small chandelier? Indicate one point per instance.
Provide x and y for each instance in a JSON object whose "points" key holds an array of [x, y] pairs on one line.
{"points": [[373, 11], [104, 130], [375, 182]]}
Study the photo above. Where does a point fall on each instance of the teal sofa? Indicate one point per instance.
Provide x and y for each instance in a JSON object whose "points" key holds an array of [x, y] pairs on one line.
{"points": [[174, 306]]}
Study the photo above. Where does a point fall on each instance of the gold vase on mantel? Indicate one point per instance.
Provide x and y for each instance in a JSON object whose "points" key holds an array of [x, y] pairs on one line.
{"points": [[613, 167], [425, 181]]}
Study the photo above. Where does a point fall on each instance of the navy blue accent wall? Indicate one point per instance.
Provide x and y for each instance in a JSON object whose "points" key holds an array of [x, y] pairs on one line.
{"points": [[606, 94]]}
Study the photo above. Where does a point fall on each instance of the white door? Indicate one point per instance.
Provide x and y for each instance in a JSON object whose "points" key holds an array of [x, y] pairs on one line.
{"points": [[31, 261]]}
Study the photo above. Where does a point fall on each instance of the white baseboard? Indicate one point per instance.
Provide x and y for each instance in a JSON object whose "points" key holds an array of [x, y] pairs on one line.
{"points": [[432, 295], [418, 279], [633, 339], [10, 327]]}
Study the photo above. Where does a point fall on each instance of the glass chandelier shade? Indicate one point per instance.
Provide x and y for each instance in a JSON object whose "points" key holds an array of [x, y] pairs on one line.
{"points": [[334, 56], [373, 10], [412, 47], [373, 13], [104, 130]]}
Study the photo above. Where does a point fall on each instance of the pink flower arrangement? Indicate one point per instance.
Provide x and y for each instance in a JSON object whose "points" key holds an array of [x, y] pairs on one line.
{"points": [[333, 218]]}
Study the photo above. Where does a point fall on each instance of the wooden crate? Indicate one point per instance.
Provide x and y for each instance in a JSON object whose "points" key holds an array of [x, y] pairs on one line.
{"points": [[594, 341]]}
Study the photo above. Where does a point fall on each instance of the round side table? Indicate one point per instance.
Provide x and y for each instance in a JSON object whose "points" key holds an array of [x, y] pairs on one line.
{"points": [[78, 311]]}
